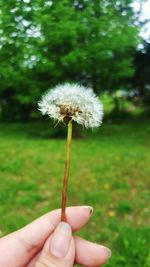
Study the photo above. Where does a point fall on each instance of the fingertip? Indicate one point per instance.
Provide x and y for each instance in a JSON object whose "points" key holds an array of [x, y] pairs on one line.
{"points": [[60, 242], [95, 254], [78, 216], [106, 251], [89, 209]]}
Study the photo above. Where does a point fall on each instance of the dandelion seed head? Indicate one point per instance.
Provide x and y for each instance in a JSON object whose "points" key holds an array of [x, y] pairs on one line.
{"points": [[72, 101]]}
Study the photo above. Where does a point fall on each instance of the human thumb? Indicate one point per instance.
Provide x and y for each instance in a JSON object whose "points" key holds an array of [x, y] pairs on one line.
{"points": [[59, 249]]}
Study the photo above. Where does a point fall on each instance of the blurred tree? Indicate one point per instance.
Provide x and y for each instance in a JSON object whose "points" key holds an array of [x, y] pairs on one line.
{"points": [[16, 86], [45, 42], [141, 79]]}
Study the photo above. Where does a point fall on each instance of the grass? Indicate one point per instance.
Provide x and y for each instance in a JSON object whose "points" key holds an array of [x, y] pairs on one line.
{"points": [[110, 171]]}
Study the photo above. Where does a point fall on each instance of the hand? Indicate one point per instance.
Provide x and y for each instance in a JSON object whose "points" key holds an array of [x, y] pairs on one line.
{"points": [[48, 243]]}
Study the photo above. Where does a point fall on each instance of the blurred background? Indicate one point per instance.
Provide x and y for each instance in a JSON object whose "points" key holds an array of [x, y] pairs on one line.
{"points": [[98, 43]]}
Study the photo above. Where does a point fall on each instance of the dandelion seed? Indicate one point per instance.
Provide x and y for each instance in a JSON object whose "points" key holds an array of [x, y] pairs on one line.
{"points": [[72, 101]]}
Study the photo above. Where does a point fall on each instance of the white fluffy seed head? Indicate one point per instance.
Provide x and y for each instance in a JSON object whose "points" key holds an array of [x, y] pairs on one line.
{"points": [[72, 101]]}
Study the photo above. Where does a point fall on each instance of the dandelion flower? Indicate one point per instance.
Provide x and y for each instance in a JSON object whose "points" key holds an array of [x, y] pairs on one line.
{"points": [[67, 103], [75, 102]]}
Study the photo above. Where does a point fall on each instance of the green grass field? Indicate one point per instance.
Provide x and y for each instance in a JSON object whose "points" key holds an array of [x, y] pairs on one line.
{"points": [[110, 170]]}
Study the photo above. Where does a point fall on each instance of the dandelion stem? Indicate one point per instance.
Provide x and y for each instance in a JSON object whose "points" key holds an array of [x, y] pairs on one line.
{"points": [[66, 174]]}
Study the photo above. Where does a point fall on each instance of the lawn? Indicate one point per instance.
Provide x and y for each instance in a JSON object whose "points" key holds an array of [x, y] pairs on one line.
{"points": [[110, 170]]}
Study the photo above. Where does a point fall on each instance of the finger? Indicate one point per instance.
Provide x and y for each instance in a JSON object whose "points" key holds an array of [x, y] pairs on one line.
{"points": [[24, 243], [35, 234], [90, 254], [59, 249], [48, 260], [34, 260], [87, 253]]}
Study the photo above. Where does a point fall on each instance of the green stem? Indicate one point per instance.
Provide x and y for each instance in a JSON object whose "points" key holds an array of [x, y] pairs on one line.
{"points": [[66, 174]]}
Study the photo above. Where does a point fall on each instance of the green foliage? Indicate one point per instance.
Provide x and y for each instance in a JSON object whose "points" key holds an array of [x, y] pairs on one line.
{"points": [[123, 207], [128, 248], [46, 42], [110, 170]]}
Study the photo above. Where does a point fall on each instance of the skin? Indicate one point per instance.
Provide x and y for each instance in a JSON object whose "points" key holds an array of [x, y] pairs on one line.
{"points": [[30, 246]]}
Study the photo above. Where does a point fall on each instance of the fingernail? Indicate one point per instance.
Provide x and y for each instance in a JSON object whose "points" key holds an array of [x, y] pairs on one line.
{"points": [[89, 208], [61, 240], [107, 251]]}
